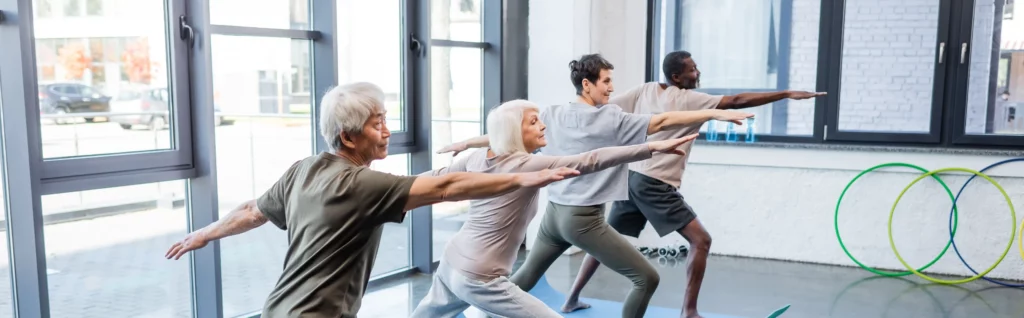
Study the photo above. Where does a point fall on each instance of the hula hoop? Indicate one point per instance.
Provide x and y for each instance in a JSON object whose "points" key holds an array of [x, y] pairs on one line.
{"points": [[891, 274], [1013, 227], [957, 250]]}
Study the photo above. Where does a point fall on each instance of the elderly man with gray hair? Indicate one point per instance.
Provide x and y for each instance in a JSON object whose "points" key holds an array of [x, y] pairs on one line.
{"points": [[334, 207]]}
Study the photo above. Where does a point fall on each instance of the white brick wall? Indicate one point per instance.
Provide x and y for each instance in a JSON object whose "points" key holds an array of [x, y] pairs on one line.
{"points": [[803, 63], [888, 65]]}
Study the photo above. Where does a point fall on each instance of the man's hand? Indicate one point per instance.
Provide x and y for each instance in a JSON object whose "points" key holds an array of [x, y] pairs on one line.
{"points": [[732, 116], [192, 241], [456, 147], [804, 95], [671, 146], [544, 177]]}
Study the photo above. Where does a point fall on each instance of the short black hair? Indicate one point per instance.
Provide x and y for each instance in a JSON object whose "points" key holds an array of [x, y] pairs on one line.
{"points": [[588, 67], [673, 63]]}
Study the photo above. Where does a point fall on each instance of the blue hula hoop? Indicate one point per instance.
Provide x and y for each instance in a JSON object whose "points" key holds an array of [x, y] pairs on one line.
{"points": [[955, 249]]}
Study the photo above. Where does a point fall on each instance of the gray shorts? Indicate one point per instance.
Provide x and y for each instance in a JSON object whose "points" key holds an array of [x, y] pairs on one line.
{"points": [[651, 200]]}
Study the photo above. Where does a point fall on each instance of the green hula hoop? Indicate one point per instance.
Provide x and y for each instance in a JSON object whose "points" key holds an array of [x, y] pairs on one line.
{"points": [[896, 274], [1013, 227]]}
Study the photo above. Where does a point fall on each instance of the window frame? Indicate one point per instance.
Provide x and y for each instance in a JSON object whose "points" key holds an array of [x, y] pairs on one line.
{"points": [[949, 92], [493, 65], [940, 76], [63, 174], [657, 12], [962, 88]]}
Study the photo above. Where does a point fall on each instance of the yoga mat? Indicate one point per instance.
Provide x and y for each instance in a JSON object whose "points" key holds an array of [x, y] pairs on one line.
{"points": [[607, 308]]}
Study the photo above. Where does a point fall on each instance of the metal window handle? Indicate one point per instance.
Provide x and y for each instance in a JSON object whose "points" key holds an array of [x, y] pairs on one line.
{"points": [[963, 52], [942, 51], [1, 17]]}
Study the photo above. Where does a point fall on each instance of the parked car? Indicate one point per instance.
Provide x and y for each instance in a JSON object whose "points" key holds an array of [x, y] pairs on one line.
{"points": [[64, 98], [146, 99]]}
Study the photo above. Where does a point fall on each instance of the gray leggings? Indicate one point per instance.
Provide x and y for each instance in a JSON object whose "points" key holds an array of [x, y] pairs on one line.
{"points": [[584, 226]]}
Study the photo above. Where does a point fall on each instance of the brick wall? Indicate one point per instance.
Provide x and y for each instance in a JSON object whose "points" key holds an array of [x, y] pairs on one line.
{"points": [[888, 65], [803, 63]]}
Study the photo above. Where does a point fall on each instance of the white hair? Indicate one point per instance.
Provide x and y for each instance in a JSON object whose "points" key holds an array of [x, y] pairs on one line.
{"points": [[346, 109], [505, 126]]}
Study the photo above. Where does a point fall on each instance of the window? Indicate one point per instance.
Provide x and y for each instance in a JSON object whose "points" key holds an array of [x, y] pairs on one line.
{"points": [[773, 47], [377, 24], [896, 72], [263, 131], [457, 20], [171, 136], [394, 250], [888, 73], [274, 14], [87, 58], [6, 308], [995, 88], [457, 97], [457, 109], [104, 251]]}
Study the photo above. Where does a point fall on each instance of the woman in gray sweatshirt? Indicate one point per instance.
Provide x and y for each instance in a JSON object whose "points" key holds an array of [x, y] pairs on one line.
{"points": [[477, 261]]}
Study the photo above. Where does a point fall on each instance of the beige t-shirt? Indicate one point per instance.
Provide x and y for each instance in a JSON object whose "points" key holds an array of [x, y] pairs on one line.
{"points": [[487, 244], [334, 212], [651, 98]]}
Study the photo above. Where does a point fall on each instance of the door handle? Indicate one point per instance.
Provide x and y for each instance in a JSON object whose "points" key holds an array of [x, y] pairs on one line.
{"points": [[416, 46], [963, 52], [942, 51]]}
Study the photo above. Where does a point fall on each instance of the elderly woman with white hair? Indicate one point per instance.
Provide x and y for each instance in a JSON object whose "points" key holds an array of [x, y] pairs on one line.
{"points": [[334, 207], [478, 259]]}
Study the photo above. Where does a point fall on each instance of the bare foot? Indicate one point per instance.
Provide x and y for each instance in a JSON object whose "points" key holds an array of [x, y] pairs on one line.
{"points": [[693, 315], [572, 305]]}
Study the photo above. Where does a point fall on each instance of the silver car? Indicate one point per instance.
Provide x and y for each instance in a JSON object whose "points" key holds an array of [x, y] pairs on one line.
{"points": [[151, 100]]}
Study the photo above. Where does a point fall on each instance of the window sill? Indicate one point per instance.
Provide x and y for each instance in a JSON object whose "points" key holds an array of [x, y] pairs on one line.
{"points": [[850, 157]]}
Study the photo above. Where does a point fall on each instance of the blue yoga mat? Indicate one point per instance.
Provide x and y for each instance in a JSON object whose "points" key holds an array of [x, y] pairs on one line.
{"points": [[607, 308]]}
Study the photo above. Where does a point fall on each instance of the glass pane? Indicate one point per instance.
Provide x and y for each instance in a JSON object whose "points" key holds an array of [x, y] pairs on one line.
{"points": [[888, 68], [104, 252], [457, 108], [457, 20], [394, 252], [271, 14], [6, 304], [995, 100], [270, 130], [95, 72], [376, 24], [753, 62]]}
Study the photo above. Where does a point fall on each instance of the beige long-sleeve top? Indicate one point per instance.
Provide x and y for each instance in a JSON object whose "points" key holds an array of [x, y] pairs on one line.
{"points": [[488, 242]]}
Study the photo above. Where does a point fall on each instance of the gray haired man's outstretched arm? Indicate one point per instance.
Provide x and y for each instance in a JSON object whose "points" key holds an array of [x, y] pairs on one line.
{"points": [[243, 218], [461, 186]]}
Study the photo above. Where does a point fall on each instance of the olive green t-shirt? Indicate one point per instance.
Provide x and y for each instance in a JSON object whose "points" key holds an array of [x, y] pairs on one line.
{"points": [[334, 212]]}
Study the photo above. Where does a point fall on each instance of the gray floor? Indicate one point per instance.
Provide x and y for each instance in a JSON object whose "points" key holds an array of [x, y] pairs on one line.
{"points": [[752, 288]]}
